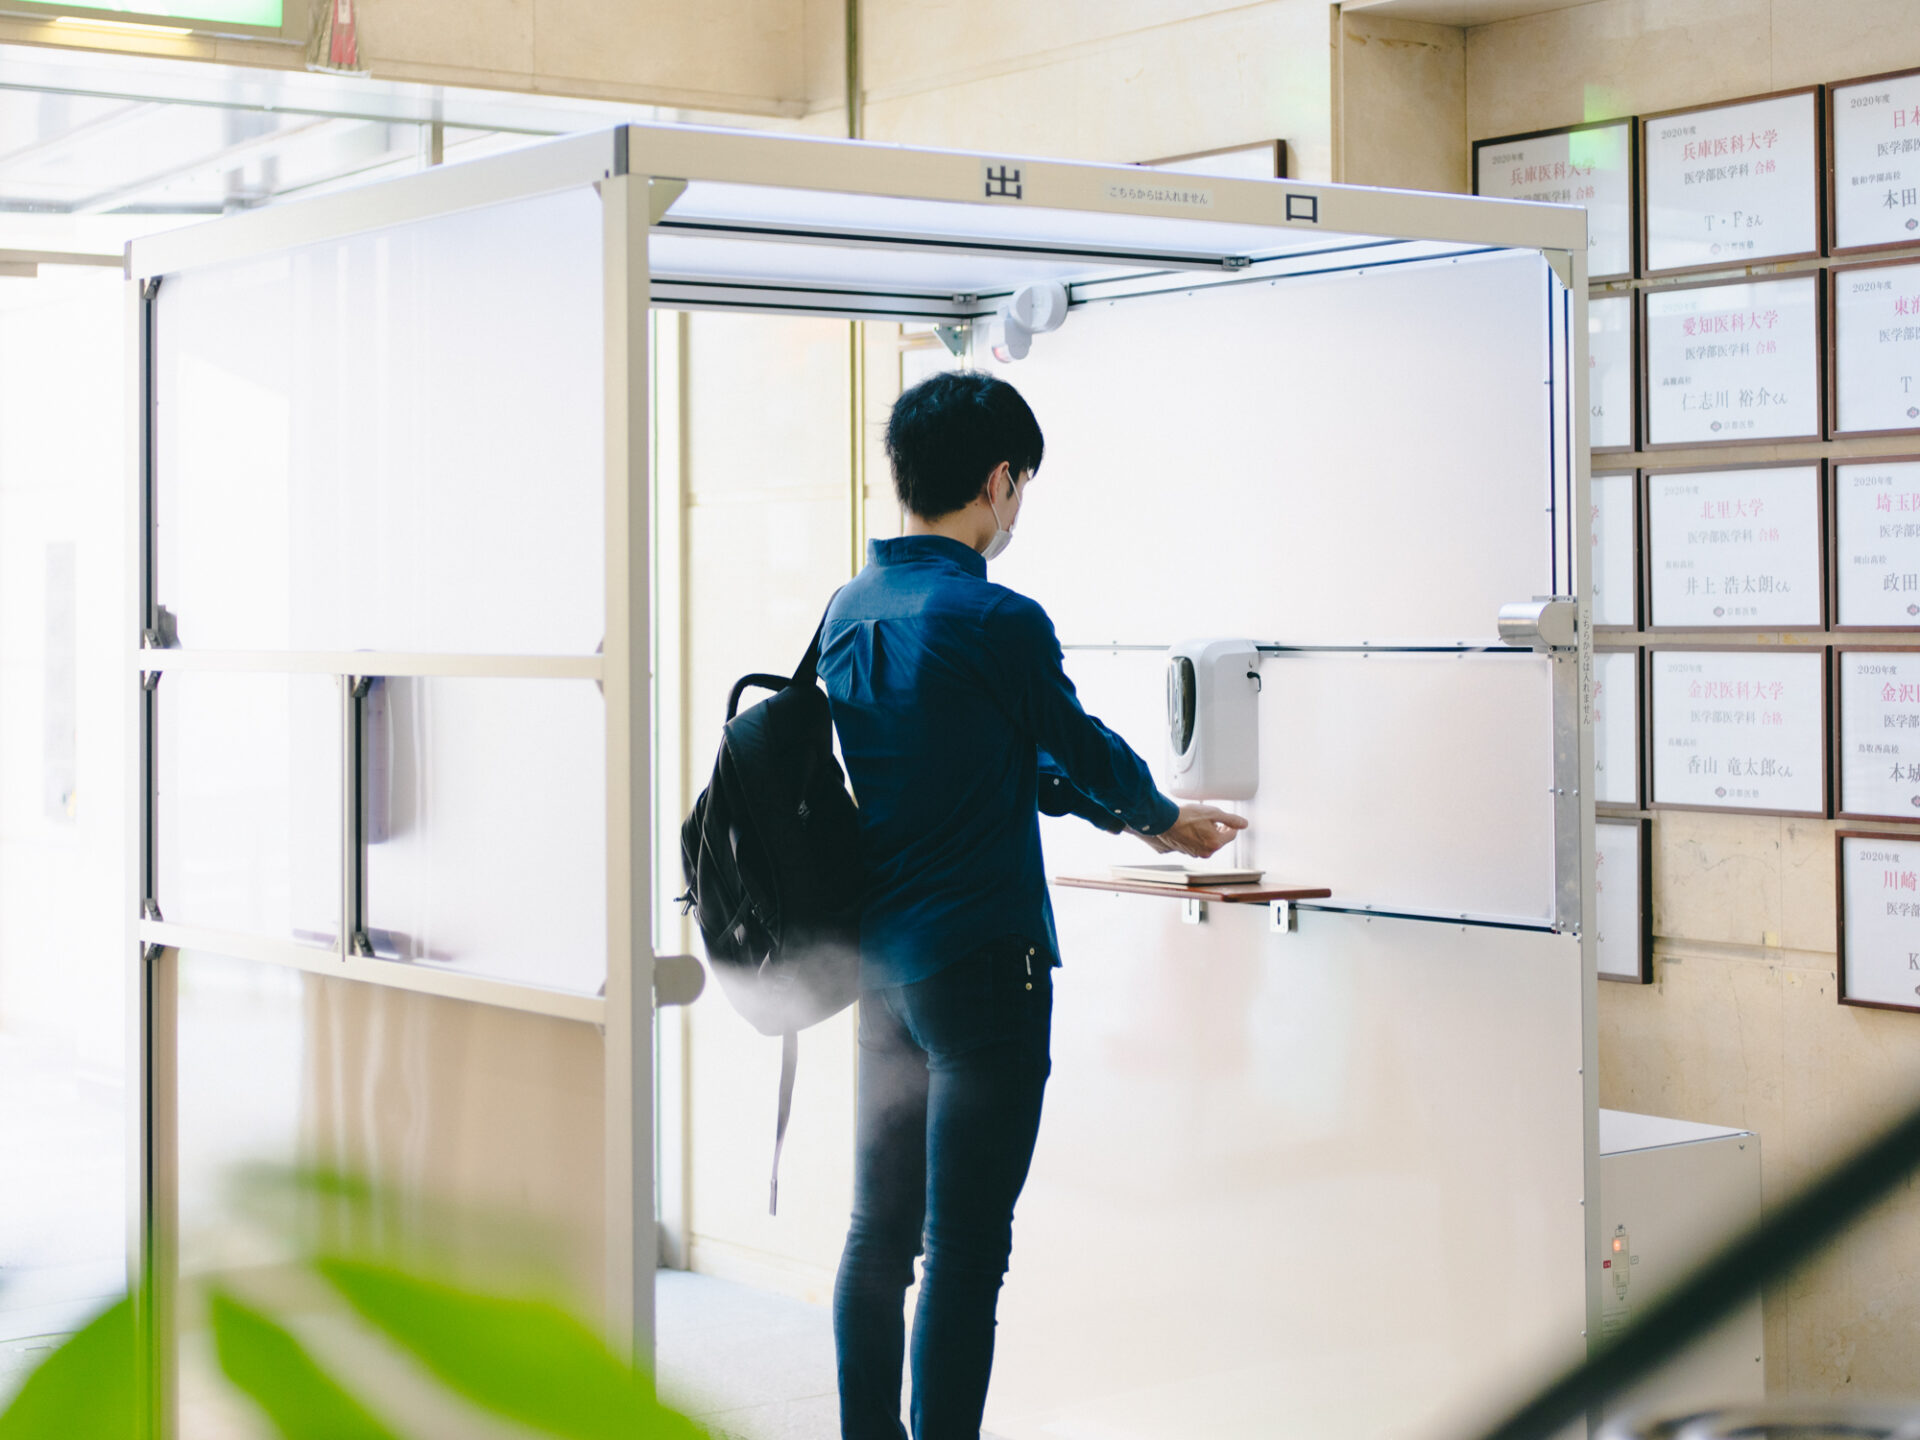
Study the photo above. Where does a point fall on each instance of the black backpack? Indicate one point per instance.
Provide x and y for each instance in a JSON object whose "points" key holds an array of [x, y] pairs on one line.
{"points": [[771, 855]]}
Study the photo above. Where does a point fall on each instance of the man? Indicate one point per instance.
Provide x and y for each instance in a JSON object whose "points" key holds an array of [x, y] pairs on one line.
{"points": [[958, 726]]}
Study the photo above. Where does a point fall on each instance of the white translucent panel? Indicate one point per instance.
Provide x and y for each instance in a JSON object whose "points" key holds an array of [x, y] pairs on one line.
{"points": [[65, 754], [248, 802], [1405, 782], [486, 1122], [392, 441], [1616, 727], [1615, 577], [1355, 457], [243, 1070], [486, 827], [1255, 1147], [715, 201]]}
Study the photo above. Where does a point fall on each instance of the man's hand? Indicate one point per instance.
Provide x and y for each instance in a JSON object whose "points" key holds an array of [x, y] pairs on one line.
{"points": [[1200, 830]]}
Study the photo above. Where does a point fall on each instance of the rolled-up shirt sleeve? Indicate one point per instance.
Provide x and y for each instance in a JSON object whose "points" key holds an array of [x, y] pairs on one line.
{"points": [[1093, 759]]}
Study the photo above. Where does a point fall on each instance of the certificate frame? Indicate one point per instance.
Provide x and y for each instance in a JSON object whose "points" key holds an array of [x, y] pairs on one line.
{"points": [[1632, 122], [1651, 739], [1831, 200], [1822, 340], [1822, 541], [1840, 838], [1817, 199], [1637, 364], [1838, 700], [1639, 552], [1834, 491], [1830, 328], [1645, 907], [1642, 718]]}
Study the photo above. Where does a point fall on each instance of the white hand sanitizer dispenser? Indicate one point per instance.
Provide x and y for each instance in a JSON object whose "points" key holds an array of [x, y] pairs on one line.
{"points": [[1213, 720]]}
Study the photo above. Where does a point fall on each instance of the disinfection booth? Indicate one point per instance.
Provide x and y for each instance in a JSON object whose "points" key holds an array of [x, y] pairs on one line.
{"points": [[1321, 1169]]}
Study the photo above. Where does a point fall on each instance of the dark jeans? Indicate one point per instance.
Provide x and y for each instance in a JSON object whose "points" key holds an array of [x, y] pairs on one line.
{"points": [[952, 1071]]}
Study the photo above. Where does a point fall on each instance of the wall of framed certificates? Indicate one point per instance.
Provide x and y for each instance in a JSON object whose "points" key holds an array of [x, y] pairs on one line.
{"points": [[1754, 419], [1743, 727], [1591, 165], [1730, 362]]}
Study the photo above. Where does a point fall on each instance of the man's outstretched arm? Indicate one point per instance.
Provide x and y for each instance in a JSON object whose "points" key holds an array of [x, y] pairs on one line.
{"points": [[1085, 754]]}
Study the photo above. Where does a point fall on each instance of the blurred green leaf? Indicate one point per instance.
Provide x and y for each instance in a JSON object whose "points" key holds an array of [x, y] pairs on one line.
{"points": [[523, 1359], [268, 1364], [85, 1388]]}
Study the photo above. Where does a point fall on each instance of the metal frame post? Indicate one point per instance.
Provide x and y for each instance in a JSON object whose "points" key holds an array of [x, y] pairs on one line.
{"points": [[632, 1245], [1580, 561], [153, 1108]]}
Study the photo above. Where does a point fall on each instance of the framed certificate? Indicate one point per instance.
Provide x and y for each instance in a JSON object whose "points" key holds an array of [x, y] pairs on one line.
{"points": [[1738, 548], [1874, 557], [1613, 416], [1873, 148], [1615, 520], [1879, 919], [1877, 692], [1623, 890], [1732, 184], [1733, 361], [1616, 727], [1744, 728], [1590, 165], [1875, 366]]}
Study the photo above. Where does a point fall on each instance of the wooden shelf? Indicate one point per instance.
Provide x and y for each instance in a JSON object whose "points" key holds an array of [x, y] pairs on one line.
{"points": [[1261, 893]]}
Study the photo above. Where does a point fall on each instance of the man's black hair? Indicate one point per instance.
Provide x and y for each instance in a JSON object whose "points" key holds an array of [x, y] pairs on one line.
{"points": [[948, 432]]}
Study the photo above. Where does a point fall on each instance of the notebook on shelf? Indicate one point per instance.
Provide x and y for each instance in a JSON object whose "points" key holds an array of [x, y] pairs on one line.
{"points": [[1173, 872]]}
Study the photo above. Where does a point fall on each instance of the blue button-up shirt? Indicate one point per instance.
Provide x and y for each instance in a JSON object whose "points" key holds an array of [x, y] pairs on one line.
{"points": [[952, 710]]}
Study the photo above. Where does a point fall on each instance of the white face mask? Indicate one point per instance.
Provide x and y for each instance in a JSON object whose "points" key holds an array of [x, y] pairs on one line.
{"points": [[1002, 536]]}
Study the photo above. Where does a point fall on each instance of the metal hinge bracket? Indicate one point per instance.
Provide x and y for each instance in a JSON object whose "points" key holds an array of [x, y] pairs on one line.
{"points": [[163, 634]]}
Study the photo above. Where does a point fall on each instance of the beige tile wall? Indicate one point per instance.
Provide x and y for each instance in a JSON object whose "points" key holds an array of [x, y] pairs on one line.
{"points": [[740, 57], [1400, 115], [736, 55], [1741, 1026], [1088, 80]]}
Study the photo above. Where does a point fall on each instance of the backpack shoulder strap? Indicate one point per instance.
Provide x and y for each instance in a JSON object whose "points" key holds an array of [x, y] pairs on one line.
{"points": [[809, 663], [789, 1062]]}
